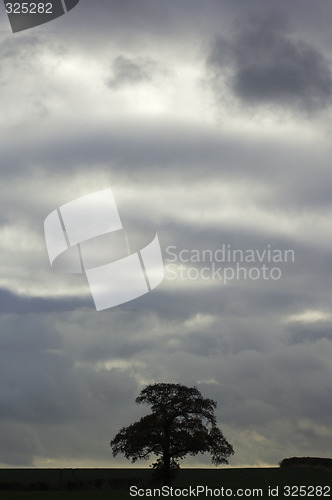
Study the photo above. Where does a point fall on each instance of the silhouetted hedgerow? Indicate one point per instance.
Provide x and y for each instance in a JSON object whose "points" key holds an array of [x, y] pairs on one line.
{"points": [[325, 463]]}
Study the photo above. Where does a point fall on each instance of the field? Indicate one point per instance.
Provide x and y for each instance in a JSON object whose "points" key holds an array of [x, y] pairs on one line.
{"points": [[102, 484]]}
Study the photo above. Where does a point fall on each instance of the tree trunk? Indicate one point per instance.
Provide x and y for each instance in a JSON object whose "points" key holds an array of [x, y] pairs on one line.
{"points": [[166, 466], [167, 455]]}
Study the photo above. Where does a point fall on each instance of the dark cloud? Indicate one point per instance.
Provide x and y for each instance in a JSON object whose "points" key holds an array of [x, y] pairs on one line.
{"points": [[126, 71], [18, 444], [265, 65], [43, 391], [302, 332], [69, 375], [20, 304], [146, 150]]}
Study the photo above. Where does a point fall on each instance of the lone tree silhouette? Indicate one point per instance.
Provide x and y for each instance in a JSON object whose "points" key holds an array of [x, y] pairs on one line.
{"points": [[182, 423]]}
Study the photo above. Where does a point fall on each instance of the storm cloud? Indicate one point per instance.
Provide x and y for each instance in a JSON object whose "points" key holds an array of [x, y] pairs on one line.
{"points": [[211, 125], [265, 64]]}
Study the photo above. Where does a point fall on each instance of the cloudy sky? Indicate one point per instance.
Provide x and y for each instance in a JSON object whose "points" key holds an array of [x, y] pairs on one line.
{"points": [[211, 122]]}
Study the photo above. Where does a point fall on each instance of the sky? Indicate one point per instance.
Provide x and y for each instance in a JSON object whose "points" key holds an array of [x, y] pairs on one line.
{"points": [[211, 122]]}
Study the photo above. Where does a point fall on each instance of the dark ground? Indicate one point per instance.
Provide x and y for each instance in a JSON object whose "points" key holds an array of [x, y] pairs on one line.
{"points": [[102, 484]]}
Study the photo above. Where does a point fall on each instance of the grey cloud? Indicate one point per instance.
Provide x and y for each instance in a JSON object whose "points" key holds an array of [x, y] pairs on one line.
{"points": [[11, 302], [302, 332], [248, 359], [265, 66], [158, 147], [24, 54], [37, 376], [43, 392], [15, 55], [69, 375], [19, 444], [127, 71]]}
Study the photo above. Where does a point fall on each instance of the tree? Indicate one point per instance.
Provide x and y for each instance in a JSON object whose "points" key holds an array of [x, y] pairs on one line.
{"points": [[182, 423]]}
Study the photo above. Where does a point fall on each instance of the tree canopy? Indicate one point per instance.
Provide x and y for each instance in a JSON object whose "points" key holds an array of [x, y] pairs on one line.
{"points": [[182, 423]]}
